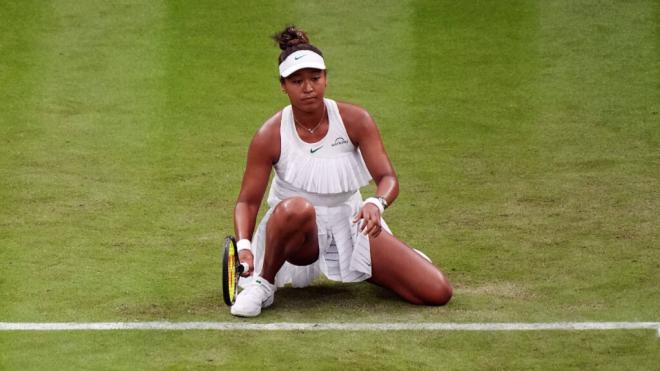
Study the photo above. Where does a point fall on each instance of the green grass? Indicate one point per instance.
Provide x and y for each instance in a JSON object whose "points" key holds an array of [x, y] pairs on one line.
{"points": [[331, 350], [526, 136]]}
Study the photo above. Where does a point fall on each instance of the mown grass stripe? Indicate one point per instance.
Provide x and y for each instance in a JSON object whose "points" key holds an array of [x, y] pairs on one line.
{"points": [[293, 326]]}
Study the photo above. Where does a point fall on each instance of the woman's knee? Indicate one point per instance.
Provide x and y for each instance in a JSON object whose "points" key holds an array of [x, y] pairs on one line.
{"points": [[437, 293], [294, 211], [292, 228]]}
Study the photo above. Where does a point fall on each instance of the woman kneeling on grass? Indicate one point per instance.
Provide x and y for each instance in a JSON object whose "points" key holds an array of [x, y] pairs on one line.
{"points": [[322, 152]]}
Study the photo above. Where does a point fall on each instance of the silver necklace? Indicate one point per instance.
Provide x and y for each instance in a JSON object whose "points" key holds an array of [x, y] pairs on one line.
{"points": [[312, 130]]}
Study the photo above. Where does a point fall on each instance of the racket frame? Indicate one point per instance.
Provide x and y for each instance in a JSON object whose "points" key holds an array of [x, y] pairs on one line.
{"points": [[230, 270]]}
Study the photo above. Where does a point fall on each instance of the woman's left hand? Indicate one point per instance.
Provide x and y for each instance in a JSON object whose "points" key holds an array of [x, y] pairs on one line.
{"points": [[370, 216]]}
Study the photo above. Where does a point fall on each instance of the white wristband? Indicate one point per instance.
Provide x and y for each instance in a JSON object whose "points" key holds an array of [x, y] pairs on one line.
{"points": [[244, 244], [375, 201]]}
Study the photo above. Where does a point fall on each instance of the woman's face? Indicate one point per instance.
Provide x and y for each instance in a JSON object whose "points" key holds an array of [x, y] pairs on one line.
{"points": [[306, 89]]}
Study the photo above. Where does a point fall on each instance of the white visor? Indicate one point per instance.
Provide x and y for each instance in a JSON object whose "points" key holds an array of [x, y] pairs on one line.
{"points": [[299, 60]]}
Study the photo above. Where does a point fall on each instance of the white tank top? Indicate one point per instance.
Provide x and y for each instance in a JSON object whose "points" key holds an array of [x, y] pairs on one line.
{"points": [[331, 166]]}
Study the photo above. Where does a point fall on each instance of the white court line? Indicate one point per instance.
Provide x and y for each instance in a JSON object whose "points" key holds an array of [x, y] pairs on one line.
{"points": [[348, 326]]}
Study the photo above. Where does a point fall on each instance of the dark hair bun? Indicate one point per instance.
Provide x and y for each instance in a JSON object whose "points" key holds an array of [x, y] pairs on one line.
{"points": [[290, 37]]}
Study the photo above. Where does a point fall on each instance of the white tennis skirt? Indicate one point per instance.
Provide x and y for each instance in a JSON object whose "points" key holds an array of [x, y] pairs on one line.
{"points": [[344, 253]]}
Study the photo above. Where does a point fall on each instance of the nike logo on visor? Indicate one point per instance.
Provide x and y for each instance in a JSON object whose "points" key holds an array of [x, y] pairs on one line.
{"points": [[300, 56]]}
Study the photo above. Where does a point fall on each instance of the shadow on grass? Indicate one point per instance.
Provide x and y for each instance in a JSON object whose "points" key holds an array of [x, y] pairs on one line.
{"points": [[341, 301], [338, 293], [320, 301]]}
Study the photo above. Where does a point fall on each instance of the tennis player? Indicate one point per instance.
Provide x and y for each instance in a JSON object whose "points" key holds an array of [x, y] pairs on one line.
{"points": [[317, 223]]}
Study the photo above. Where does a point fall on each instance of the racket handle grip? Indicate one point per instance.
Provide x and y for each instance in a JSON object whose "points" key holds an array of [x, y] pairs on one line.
{"points": [[243, 267]]}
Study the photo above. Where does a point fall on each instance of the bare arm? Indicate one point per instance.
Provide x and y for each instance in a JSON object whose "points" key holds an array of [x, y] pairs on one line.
{"points": [[365, 135], [262, 154]]}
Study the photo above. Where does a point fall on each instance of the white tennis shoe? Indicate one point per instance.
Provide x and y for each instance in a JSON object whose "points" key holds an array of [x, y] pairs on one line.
{"points": [[256, 295]]}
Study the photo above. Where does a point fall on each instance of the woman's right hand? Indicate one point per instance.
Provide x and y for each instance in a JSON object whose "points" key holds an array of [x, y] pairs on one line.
{"points": [[245, 256]]}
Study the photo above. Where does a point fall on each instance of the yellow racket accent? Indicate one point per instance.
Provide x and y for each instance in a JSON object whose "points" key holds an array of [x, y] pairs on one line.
{"points": [[230, 270], [232, 275]]}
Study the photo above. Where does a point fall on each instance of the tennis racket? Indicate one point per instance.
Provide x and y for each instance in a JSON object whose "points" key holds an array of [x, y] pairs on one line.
{"points": [[231, 270]]}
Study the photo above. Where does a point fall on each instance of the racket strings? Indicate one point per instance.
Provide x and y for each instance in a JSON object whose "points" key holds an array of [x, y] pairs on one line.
{"points": [[232, 274]]}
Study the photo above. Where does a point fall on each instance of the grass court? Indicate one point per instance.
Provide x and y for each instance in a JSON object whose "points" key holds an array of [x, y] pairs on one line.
{"points": [[526, 137]]}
